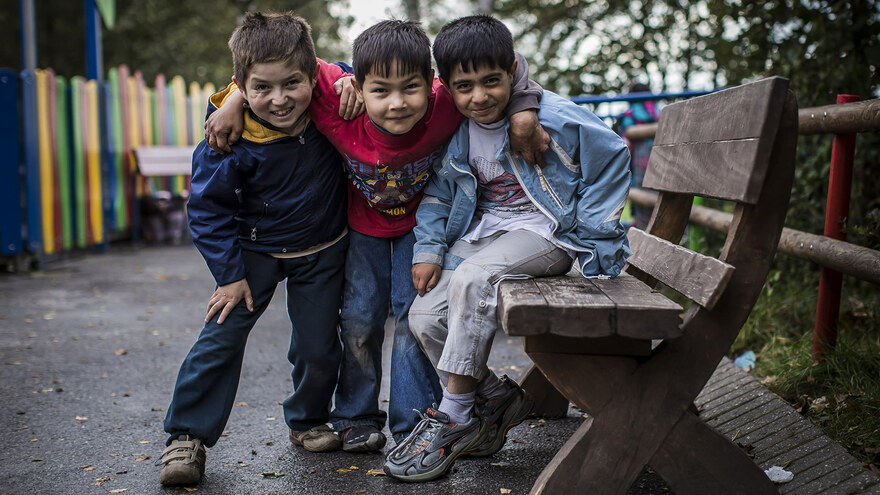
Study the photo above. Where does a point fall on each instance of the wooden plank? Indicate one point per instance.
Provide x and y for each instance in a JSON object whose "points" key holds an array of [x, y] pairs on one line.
{"points": [[831, 482], [589, 308], [641, 312], [164, 160], [725, 398], [740, 424], [613, 345], [563, 305], [699, 277], [718, 145]]}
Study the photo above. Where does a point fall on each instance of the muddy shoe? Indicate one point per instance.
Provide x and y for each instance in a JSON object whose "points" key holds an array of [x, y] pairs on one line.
{"points": [[321, 438], [184, 462]]}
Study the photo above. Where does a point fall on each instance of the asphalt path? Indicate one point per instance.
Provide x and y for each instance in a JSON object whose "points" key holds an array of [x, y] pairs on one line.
{"points": [[90, 346]]}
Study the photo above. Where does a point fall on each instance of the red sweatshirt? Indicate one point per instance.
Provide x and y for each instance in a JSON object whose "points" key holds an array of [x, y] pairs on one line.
{"points": [[387, 174]]}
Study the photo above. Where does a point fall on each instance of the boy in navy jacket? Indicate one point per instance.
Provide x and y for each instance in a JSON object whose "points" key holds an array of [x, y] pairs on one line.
{"points": [[271, 210]]}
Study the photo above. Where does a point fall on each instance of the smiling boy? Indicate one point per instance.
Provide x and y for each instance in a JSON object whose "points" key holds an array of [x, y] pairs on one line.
{"points": [[271, 209], [389, 153], [488, 216]]}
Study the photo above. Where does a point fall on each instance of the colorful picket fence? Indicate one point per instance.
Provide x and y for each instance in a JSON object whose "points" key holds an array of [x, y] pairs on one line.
{"points": [[80, 181]]}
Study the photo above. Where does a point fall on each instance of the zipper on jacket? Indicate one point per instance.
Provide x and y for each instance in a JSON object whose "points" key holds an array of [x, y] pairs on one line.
{"points": [[545, 185], [254, 228]]}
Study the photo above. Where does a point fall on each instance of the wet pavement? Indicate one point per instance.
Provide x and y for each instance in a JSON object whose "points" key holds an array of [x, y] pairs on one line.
{"points": [[89, 351]]}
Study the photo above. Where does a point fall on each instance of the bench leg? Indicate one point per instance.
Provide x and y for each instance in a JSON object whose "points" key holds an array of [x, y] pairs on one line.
{"points": [[549, 402], [694, 459]]}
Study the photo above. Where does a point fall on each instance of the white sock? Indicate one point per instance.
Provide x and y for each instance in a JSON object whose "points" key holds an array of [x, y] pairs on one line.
{"points": [[459, 407]]}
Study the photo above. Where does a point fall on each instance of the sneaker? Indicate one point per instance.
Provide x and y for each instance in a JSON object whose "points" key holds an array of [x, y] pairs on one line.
{"points": [[362, 438], [429, 451], [500, 415], [320, 438], [184, 462]]}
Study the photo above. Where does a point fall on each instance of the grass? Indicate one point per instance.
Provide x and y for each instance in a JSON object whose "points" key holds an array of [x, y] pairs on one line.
{"points": [[841, 393]]}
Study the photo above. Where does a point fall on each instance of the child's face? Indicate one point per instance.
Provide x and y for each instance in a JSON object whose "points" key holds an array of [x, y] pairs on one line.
{"points": [[395, 102], [482, 94], [279, 93]]}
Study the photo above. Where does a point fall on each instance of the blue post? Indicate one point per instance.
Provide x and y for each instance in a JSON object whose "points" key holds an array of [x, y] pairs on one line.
{"points": [[94, 52], [34, 223]]}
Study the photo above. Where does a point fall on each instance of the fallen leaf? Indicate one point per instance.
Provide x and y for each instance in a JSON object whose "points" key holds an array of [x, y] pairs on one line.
{"points": [[270, 419], [81, 418], [160, 277], [271, 475], [819, 404], [353, 467], [505, 491], [190, 489], [101, 480], [360, 491], [144, 441], [36, 459], [118, 490], [35, 439], [376, 472], [121, 352], [343, 470], [138, 269], [144, 458], [270, 443], [240, 403], [87, 467]]}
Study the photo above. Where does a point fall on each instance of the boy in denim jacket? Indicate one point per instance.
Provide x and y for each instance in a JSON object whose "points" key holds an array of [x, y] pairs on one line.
{"points": [[488, 216]]}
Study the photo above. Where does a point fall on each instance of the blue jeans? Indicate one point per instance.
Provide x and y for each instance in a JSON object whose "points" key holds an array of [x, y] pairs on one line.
{"points": [[208, 378], [378, 274]]}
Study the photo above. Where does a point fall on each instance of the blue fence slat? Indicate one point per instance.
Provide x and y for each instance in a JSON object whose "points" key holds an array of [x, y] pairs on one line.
{"points": [[11, 241], [31, 148]]}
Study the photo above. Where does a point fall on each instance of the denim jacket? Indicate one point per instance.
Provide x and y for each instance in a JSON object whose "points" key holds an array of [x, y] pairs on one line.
{"points": [[583, 189]]}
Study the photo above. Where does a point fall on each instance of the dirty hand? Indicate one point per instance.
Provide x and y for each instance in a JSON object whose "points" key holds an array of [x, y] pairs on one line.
{"points": [[351, 104], [226, 297], [224, 126], [425, 277], [527, 138]]}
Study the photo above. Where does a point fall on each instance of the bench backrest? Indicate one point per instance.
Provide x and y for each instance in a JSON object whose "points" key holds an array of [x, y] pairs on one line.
{"points": [[164, 160], [736, 145]]}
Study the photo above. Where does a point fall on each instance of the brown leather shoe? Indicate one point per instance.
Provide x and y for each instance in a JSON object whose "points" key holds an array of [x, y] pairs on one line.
{"points": [[320, 438], [184, 462]]}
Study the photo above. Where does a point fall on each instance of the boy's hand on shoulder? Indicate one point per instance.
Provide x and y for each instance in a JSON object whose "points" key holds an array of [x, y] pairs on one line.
{"points": [[425, 277], [224, 126], [351, 103], [527, 138], [226, 297]]}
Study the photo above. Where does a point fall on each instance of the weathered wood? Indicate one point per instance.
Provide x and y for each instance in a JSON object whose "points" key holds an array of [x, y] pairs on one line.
{"points": [[164, 160], [636, 404], [613, 345], [696, 460], [846, 118], [717, 145], [851, 259], [549, 402], [699, 277], [586, 308]]}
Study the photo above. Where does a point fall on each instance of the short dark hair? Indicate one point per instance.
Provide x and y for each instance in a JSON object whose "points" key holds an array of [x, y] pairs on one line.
{"points": [[473, 42], [272, 37], [385, 42]]}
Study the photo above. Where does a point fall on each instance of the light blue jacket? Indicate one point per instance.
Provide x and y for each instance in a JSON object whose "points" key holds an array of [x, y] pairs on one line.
{"points": [[583, 188]]}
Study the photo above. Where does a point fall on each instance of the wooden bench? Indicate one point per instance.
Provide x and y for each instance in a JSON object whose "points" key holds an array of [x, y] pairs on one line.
{"points": [[158, 161], [622, 351]]}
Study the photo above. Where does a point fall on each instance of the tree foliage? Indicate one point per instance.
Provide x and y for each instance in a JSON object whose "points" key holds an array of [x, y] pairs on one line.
{"points": [[161, 36]]}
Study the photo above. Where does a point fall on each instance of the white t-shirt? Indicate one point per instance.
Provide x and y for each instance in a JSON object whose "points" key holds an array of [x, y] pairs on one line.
{"points": [[502, 204]]}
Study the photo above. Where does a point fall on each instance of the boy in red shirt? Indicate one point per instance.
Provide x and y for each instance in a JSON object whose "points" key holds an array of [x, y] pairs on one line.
{"points": [[388, 154]]}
